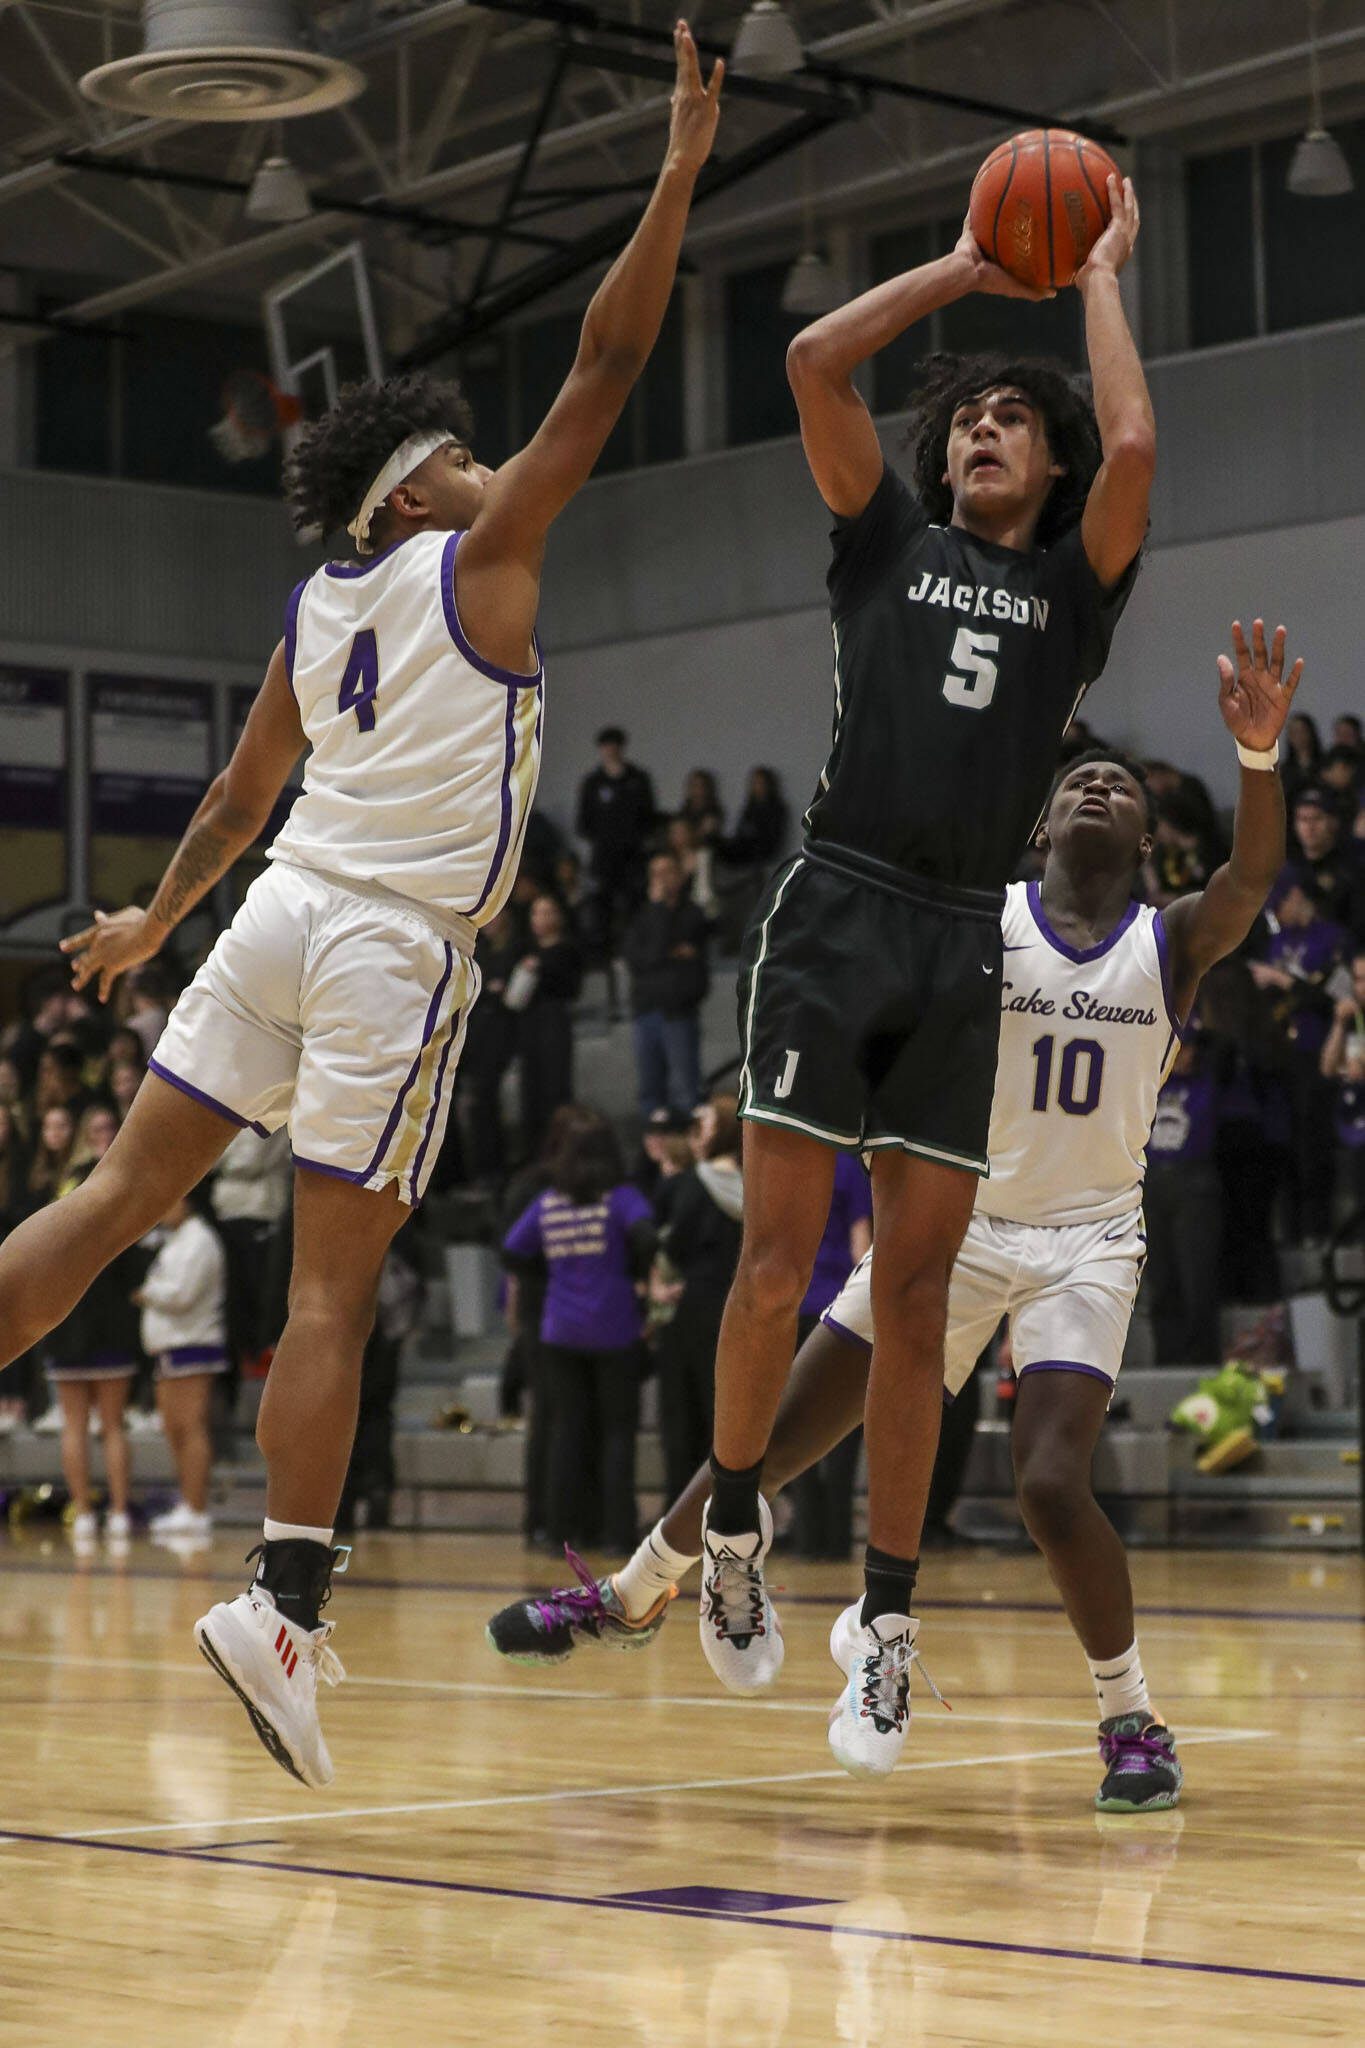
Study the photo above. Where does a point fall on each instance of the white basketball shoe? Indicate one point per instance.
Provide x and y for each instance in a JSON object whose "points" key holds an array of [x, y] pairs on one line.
{"points": [[274, 1666], [740, 1632], [868, 1727]]}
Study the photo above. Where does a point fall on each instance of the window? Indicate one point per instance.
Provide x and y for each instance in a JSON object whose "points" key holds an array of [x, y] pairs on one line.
{"points": [[758, 401], [1053, 327], [1222, 263], [1260, 259], [651, 427]]}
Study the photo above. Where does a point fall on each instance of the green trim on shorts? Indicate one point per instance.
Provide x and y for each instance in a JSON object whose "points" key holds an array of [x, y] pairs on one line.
{"points": [[981, 1167], [794, 1123]]}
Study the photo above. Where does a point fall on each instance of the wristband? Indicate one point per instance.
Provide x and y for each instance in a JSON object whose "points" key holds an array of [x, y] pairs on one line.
{"points": [[1249, 757]]}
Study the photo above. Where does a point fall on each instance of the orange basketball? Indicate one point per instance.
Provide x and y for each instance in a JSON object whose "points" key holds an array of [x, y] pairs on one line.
{"points": [[1040, 203]]}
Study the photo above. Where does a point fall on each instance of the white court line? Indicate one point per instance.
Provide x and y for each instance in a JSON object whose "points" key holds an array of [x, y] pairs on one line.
{"points": [[957, 1763], [492, 1690]]}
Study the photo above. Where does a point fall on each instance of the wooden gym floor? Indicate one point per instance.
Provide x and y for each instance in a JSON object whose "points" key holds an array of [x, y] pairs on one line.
{"points": [[617, 1852]]}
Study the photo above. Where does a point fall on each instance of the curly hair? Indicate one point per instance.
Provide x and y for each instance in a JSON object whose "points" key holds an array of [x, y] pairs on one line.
{"points": [[947, 381], [1112, 757], [338, 456]]}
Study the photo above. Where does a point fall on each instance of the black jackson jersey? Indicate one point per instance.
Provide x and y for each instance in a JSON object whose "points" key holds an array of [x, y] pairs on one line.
{"points": [[957, 667]]}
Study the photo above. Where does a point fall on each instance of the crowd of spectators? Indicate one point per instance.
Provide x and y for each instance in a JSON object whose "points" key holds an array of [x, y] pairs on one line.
{"points": [[615, 1272]]}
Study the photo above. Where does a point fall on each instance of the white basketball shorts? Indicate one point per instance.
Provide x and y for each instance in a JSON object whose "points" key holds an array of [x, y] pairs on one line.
{"points": [[336, 1013], [1067, 1290]]}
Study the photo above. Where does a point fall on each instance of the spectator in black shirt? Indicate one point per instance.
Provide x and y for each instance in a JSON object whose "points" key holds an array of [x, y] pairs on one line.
{"points": [[1327, 861], [551, 974], [700, 1213], [1302, 753], [665, 950], [616, 813], [489, 1049]]}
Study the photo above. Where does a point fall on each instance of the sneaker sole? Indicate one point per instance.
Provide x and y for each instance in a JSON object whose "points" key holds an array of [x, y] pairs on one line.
{"points": [[269, 1734], [1160, 1802]]}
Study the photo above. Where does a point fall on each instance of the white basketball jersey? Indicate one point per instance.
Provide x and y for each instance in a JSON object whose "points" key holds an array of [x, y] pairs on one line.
{"points": [[1086, 1039], [425, 756]]}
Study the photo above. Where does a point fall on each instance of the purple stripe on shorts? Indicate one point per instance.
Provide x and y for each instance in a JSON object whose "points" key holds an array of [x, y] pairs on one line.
{"points": [[291, 631], [415, 1172], [1064, 1365], [428, 1028], [842, 1330], [514, 678], [194, 1354], [209, 1101], [334, 1172]]}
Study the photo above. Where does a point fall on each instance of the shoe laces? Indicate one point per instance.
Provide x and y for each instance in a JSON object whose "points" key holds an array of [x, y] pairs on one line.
{"points": [[735, 1598], [886, 1682], [577, 1606], [1135, 1748], [326, 1664]]}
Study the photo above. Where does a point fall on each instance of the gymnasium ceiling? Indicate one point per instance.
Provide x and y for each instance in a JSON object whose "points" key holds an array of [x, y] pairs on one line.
{"points": [[456, 89]]}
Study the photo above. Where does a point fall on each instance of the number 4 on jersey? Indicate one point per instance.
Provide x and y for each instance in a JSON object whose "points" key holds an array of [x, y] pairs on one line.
{"points": [[360, 682], [972, 652]]}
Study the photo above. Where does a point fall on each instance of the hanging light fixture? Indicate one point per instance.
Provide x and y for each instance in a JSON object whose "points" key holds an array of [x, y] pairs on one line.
{"points": [[1318, 168], [278, 193], [811, 286], [767, 45]]}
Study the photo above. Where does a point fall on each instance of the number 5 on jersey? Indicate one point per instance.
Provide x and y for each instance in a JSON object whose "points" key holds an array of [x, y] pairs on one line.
{"points": [[360, 680], [972, 652]]}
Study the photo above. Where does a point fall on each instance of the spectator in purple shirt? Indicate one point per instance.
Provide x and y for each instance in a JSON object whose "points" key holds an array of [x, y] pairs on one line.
{"points": [[595, 1234], [824, 1496], [1182, 1206]]}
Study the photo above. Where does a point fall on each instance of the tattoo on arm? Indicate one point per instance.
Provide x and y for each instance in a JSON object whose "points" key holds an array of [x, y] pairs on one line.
{"points": [[204, 854]]}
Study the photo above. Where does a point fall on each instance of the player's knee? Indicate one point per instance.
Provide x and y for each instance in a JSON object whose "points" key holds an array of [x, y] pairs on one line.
{"points": [[1052, 1498], [910, 1308], [770, 1281]]}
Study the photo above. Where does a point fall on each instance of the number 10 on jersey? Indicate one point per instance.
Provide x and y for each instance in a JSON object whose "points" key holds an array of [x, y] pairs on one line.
{"points": [[1080, 1056]]}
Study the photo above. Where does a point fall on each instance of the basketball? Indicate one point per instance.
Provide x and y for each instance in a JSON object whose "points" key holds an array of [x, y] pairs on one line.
{"points": [[1039, 204]]}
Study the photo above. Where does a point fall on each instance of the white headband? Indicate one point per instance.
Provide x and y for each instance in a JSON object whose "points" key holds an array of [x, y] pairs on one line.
{"points": [[396, 470]]}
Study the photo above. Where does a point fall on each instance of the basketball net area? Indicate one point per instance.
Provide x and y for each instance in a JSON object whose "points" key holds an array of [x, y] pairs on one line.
{"points": [[320, 332]]}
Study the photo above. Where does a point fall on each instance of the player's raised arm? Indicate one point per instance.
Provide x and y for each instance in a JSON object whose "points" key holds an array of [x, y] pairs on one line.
{"points": [[840, 440], [620, 328], [234, 812], [1115, 517], [1254, 696]]}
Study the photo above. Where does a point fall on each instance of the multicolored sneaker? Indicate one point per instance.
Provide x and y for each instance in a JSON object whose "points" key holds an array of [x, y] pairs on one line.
{"points": [[548, 1629], [1142, 1772]]}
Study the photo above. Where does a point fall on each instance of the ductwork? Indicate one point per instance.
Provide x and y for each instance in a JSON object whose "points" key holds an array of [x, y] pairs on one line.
{"points": [[223, 60]]}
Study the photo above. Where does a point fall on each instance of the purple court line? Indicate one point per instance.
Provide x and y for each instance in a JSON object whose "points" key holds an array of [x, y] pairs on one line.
{"points": [[620, 1905], [352, 1581]]}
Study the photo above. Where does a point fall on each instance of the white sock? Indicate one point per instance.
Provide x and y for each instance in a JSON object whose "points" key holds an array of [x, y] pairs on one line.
{"points": [[1120, 1686], [295, 1532], [655, 1567]]}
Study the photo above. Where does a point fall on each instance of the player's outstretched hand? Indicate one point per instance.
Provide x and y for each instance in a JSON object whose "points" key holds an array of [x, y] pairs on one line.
{"points": [[1254, 694], [696, 107], [992, 277], [1115, 245], [110, 946]]}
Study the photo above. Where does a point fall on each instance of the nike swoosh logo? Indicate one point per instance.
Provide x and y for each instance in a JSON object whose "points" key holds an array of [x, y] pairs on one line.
{"points": [[986, 967], [1027, 947]]}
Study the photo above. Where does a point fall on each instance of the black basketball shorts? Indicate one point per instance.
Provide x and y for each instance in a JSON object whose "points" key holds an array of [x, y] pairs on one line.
{"points": [[869, 1010]]}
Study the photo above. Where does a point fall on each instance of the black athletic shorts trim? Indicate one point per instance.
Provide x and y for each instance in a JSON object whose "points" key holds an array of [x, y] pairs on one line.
{"points": [[870, 1016]]}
